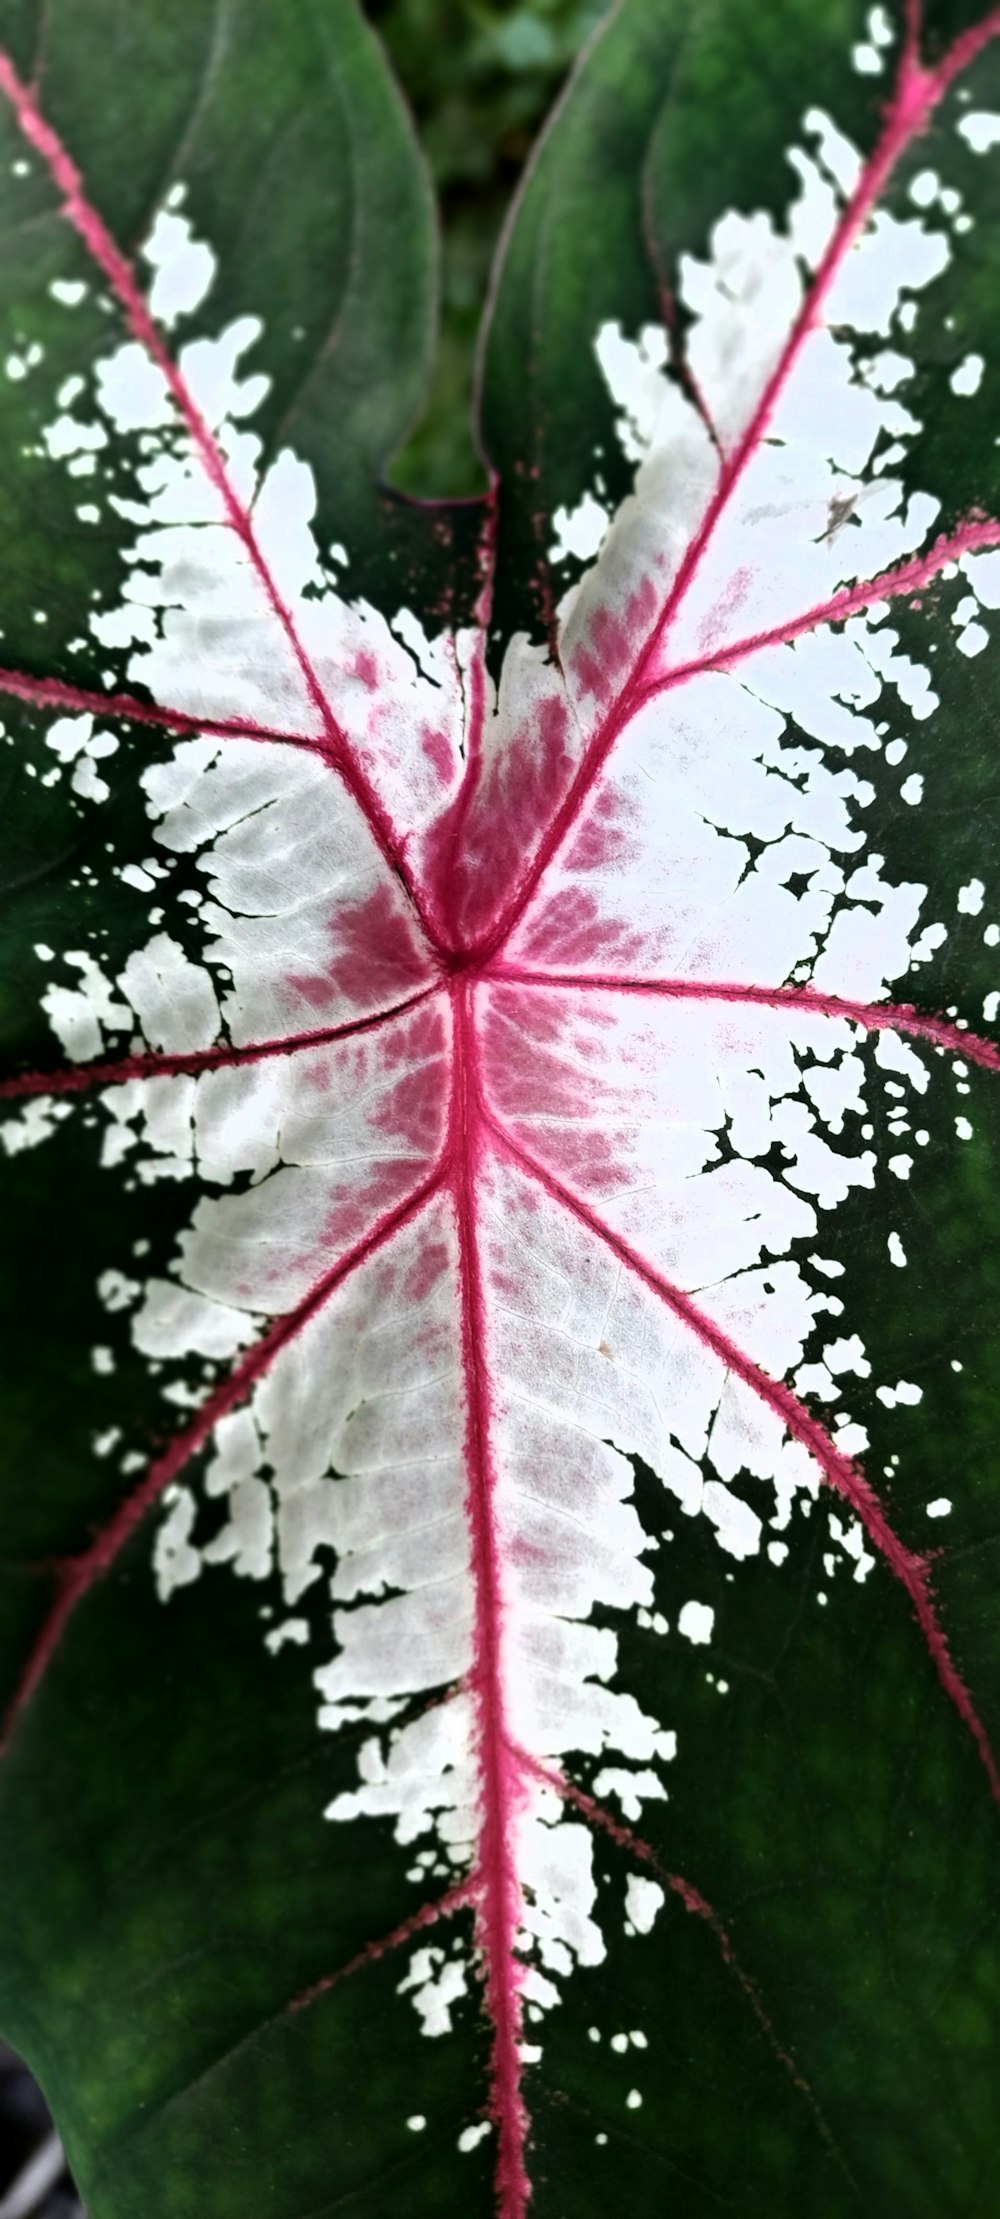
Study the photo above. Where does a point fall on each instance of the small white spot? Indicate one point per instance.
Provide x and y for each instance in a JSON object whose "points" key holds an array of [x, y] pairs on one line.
{"points": [[968, 377], [470, 2137], [895, 752], [963, 1128], [990, 1007], [867, 61], [643, 1900], [981, 131], [68, 291], [696, 1622], [851, 1439], [847, 1354], [184, 268], [829, 1269], [35, 1122], [579, 531], [901, 1166], [970, 897], [973, 640], [924, 189], [912, 788], [939, 1508], [102, 1360], [417, 2123], [897, 1253], [176, 1563], [437, 1985], [904, 1391], [737, 1526], [116, 1291], [633, 2101], [294, 1629]]}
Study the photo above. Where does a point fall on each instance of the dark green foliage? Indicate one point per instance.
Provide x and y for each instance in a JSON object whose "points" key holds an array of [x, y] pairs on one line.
{"points": [[480, 79]]}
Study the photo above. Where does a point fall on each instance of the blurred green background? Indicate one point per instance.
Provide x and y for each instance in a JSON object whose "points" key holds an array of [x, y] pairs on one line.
{"points": [[480, 80]]}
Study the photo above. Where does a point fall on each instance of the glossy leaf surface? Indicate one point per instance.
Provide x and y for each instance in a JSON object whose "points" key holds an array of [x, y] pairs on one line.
{"points": [[497, 1589]]}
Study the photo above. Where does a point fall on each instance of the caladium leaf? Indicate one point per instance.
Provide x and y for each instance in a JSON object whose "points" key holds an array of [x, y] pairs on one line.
{"points": [[497, 1608]]}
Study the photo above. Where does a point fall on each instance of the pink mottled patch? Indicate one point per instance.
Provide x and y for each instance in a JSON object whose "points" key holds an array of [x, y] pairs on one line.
{"points": [[376, 956], [383, 1185], [602, 839], [439, 751], [426, 1272], [477, 851], [544, 1073], [604, 658], [570, 931]]}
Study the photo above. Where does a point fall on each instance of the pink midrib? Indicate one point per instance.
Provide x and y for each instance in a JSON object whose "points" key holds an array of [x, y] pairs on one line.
{"points": [[499, 1889]]}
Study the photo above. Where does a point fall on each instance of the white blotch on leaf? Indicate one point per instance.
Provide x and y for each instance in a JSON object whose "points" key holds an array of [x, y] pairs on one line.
{"points": [[968, 377], [644, 1899], [980, 130], [184, 267], [580, 531], [175, 1562], [436, 1985], [904, 1391], [696, 1621]]}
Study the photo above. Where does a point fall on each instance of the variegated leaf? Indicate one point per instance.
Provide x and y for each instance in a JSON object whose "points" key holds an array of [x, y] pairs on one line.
{"points": [[497, 1602]]}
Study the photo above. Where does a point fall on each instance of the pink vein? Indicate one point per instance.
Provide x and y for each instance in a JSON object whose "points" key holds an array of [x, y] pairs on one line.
{"points": [[874, 1016], [81, 1078], [79, 1574], [904, 578], [844, 1476], [918, 92], [55, 693], [120, 275], [454, 1899], [499, 1898], [694, 1902]]}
